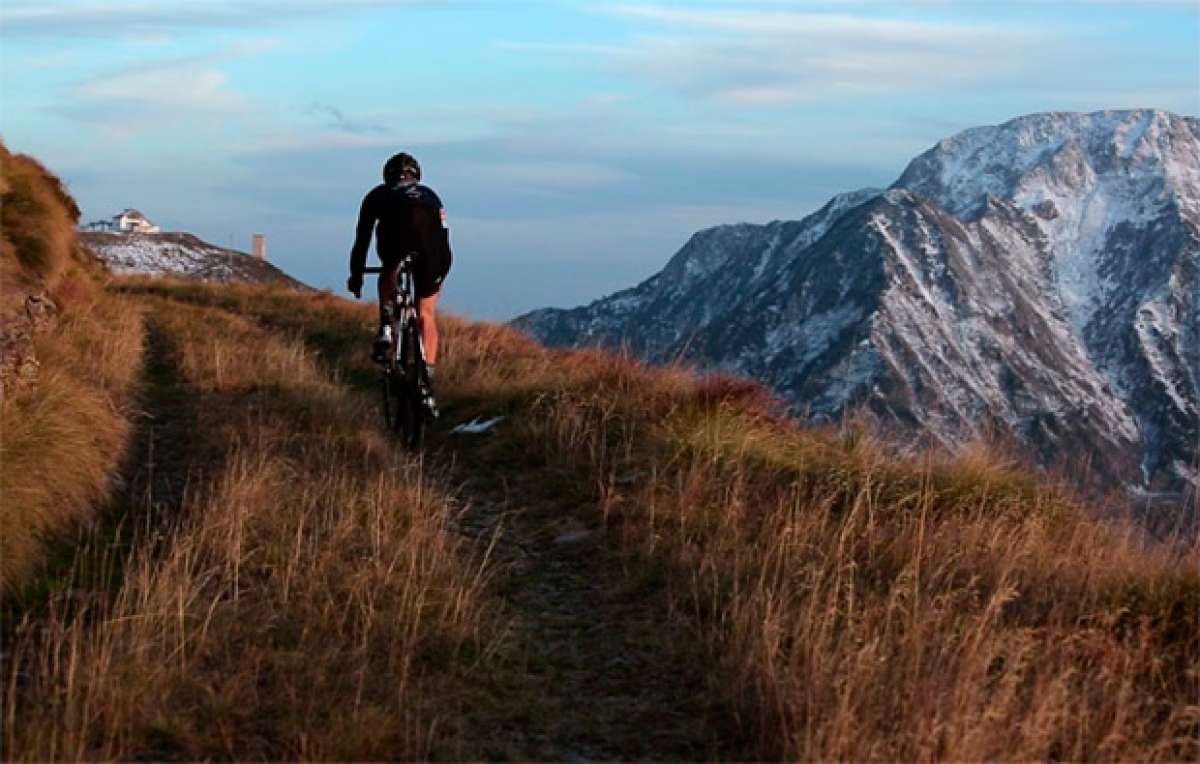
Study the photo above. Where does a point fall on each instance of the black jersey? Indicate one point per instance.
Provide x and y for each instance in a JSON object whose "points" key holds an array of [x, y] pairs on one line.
{"points": [[407, 217]]}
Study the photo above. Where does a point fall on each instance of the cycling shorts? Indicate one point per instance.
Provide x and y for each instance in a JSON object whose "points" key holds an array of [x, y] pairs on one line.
{"points": [[429, 271]]}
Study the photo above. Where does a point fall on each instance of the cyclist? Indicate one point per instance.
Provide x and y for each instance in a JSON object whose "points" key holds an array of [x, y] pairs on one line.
{"points": [[405, 216]]}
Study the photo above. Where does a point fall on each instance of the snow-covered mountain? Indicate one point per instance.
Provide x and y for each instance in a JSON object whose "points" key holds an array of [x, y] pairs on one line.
{"points": [[1039, 278], [181, 255]]}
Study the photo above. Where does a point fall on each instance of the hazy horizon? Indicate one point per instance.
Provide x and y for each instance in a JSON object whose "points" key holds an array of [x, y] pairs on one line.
{"points": [[576, 145]]}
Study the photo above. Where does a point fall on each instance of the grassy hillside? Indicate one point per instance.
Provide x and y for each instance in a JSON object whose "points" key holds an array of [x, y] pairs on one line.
{"points": [[632, 563], [37, 221], [70, 353], [282, 584]]}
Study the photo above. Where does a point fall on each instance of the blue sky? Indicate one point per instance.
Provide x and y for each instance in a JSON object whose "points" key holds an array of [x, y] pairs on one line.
{"points": [[576, 144]]}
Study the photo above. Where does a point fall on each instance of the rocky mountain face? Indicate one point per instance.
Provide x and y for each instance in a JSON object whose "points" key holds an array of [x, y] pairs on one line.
{"points": [[1038, 279], [181, 255]]}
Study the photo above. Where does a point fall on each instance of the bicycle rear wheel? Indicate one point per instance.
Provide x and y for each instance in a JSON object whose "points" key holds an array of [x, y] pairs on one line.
{"points": [[410, 415], [393, 400]]}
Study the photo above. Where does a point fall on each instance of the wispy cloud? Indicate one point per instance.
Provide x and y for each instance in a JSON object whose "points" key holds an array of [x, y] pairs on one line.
{"points": [[336, 119], [551, 175], [163, 92], [89, 18], [770, 57], [789, 23], [126, 105]]}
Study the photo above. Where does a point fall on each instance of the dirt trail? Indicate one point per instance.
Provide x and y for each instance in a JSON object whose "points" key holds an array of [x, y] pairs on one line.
{"points": [[592, 667], [595, 670], [165, 452]]}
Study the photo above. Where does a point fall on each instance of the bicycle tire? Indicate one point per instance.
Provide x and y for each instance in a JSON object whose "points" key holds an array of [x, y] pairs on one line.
{"points": [[385, 384], [411, 409], [393, 405], [390, 385]]}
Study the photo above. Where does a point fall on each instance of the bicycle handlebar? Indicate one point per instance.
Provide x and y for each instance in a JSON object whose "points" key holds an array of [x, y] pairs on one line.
{"points": [[404, 261]]}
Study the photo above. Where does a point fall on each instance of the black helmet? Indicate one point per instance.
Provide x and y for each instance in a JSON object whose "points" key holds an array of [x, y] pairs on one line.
{"points": [[400, 168]]}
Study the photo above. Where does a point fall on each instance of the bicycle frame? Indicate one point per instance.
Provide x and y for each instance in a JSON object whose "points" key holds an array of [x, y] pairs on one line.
{"points": [[404, 372], [405, 301]]}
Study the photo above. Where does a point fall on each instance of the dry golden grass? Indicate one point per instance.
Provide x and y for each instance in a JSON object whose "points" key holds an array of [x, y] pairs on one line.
{"points": [[856, 606], [861, 607], [853, 606], [304, 600], [61, 439], [37, 220], [61, 442]]}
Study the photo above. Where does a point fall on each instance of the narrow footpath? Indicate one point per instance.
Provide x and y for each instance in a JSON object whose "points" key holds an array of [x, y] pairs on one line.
{"points": [[591, 666], [167, 450], [595, 668]]}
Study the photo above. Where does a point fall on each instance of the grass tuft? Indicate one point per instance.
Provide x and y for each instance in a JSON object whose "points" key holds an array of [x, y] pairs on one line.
{"points": [[37, 220], [64, 439]]}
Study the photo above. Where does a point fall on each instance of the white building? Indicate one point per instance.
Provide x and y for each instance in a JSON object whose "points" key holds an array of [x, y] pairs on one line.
{"points": [[129, 221], [132, 221]]}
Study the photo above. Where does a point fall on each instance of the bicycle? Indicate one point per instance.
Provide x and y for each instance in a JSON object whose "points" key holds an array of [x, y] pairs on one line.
{"points": [[405, 382]]}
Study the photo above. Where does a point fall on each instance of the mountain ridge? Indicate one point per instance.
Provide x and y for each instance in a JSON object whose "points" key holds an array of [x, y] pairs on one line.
{"points": [[1041, 277], [182, 255]]}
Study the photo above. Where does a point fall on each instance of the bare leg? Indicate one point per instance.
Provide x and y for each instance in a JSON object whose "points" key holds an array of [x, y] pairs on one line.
{"points": [[429, 334]]}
